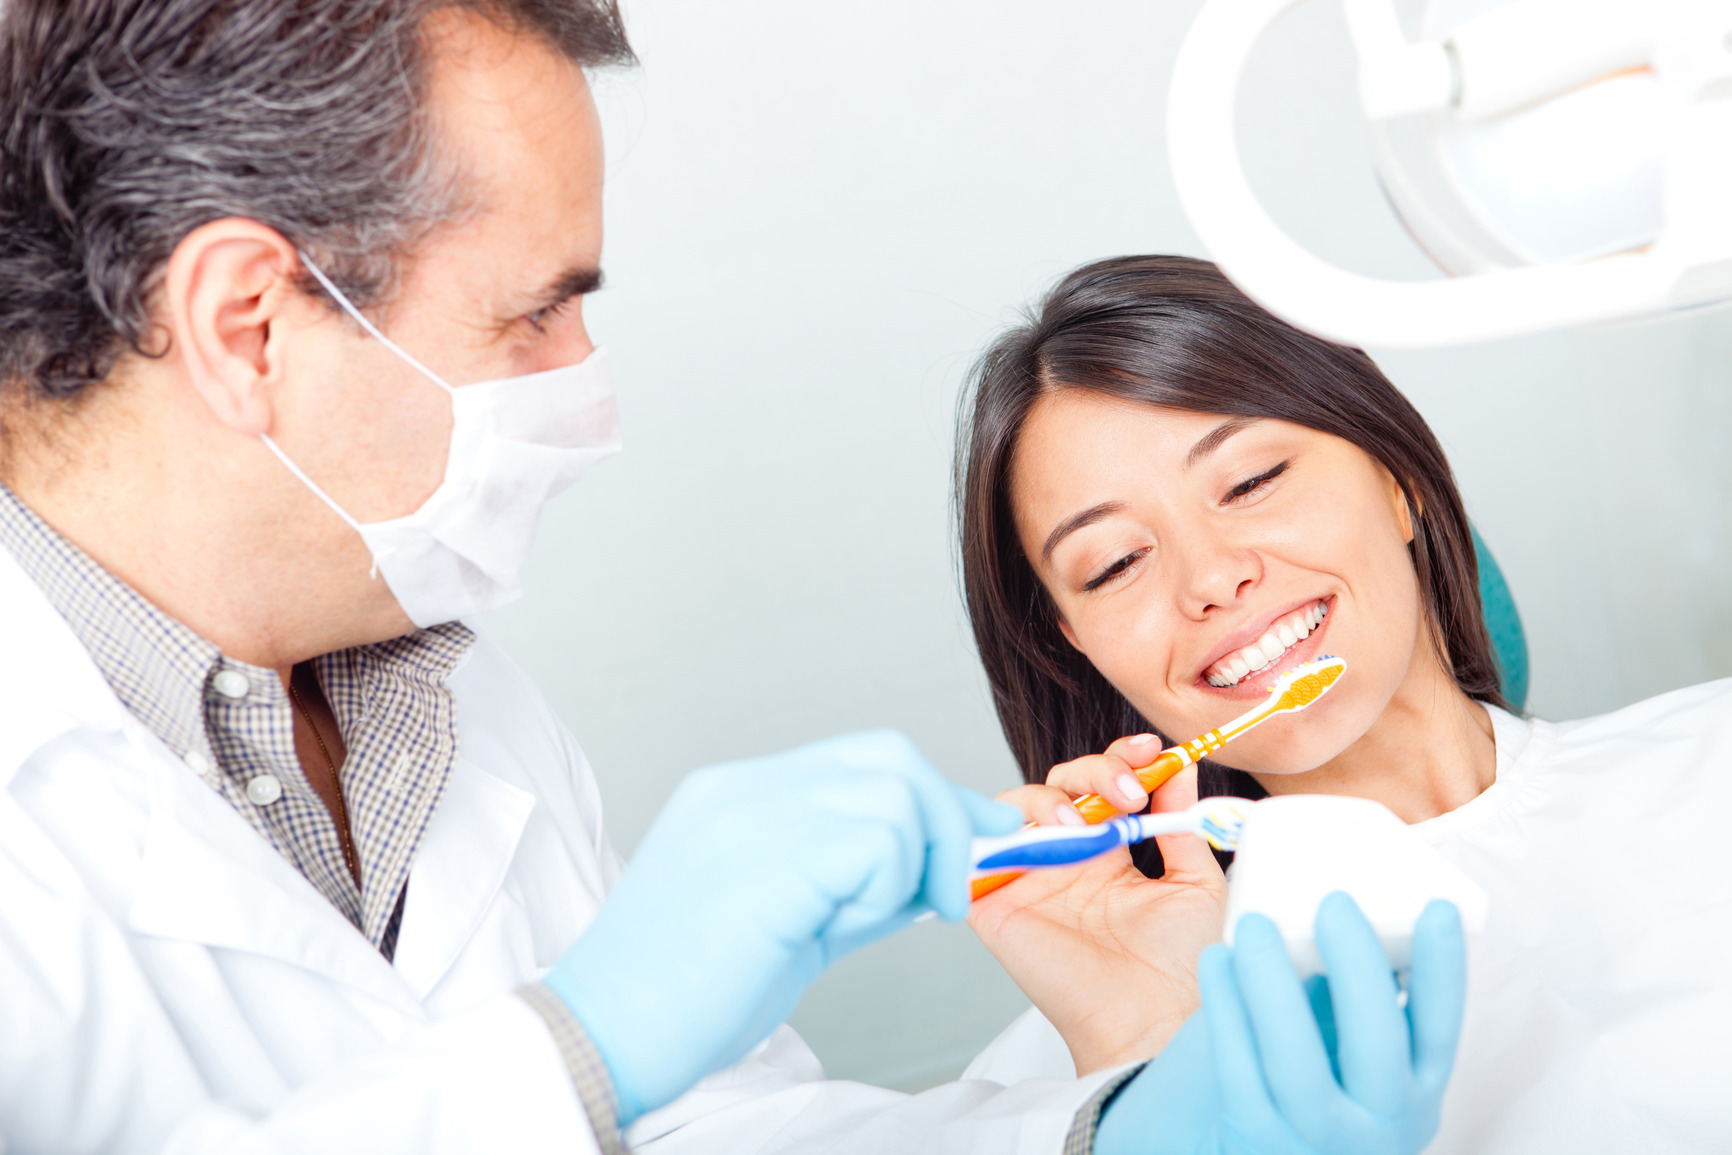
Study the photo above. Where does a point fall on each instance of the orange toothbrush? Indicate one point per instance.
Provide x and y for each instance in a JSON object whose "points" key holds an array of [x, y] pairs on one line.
{"points": [[1292, 691]]}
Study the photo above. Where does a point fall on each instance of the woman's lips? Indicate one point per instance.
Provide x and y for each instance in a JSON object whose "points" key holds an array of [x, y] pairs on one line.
{"points": [[1283, 634]]}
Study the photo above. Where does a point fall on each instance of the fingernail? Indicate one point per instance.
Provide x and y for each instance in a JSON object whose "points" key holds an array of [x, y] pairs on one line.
{"points": [[1069, 815], [1129, 786], [1141, 740]]}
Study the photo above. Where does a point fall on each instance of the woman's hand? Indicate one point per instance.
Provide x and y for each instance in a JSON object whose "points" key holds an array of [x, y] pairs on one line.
{"points": [[1108, 955]]}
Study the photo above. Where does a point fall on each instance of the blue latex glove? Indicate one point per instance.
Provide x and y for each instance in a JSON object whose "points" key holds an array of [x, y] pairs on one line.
{"points": [[1260, 1070], [755, 877]]}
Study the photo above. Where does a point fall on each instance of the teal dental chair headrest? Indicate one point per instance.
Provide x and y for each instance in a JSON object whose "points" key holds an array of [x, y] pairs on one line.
{"points": [[1504, 625]]}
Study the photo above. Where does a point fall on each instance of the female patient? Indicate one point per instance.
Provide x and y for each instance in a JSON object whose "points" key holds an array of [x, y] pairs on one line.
{"points": [[1168, 497]]}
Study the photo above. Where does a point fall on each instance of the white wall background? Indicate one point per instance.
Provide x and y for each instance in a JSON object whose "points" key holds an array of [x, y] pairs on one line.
{"points": [[818, 214]]}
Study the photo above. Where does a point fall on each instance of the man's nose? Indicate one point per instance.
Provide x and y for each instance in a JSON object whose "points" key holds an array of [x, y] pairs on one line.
{"points": [[565, 342], [571, 345]]}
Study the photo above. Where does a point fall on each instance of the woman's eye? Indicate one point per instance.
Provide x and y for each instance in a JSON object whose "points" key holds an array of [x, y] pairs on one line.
{"points": [[1123, 565], [1252, 485]]}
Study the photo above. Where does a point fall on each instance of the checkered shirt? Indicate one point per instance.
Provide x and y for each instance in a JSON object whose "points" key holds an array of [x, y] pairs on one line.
{"points": [[1080, 1139], [233, 723], [398, 719], [589, 1073]]}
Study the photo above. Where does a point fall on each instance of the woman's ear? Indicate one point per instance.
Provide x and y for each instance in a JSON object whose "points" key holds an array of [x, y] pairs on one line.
{"points": [[1406, 507], [224, 287], [1069, 634]]}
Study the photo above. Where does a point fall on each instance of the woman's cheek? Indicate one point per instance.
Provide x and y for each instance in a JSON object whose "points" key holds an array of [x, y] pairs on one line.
{"points": [[1133, 667]]}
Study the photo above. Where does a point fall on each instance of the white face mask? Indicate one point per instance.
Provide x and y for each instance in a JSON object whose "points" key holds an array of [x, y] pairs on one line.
{"points": [[515, 442]]}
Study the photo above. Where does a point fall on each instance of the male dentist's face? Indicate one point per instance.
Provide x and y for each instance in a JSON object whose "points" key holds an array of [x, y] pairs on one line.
{"points": [[495, 292]]}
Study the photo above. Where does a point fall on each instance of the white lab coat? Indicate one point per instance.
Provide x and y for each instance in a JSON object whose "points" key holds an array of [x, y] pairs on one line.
{"points": [[1600, 994], [169, 982]]}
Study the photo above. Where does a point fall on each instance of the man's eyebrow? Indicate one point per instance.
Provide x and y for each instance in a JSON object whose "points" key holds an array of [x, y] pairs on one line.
{"points": [[1217, 437], [1075, 522], [574, 282]]}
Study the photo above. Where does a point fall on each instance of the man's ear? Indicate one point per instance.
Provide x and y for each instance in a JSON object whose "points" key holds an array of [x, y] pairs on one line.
{"points": [[226, 284]]}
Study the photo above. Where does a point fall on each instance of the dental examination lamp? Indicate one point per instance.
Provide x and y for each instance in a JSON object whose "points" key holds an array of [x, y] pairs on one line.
{"points": [[1565, 161]]}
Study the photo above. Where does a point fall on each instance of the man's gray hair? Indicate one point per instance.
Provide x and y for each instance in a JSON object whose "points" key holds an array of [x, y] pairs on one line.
{"points": [[127, 124]]}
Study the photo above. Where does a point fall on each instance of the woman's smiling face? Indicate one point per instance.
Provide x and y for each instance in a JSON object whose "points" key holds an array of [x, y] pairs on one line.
{"points": [[1194, 557]]}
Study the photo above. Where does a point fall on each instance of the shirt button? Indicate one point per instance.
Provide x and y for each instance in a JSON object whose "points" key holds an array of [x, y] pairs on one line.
{"points": [[264, 790], [231, 684], [199, 763]]}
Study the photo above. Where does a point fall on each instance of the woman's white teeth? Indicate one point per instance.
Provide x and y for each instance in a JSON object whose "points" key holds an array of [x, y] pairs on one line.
{"points": [[1281, 636]]}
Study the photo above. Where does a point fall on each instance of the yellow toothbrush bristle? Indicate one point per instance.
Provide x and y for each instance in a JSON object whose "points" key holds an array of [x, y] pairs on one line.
{"points": [[1309, 688]]}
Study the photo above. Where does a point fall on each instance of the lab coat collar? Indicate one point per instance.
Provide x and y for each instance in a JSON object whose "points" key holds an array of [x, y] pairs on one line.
{"points": [[48, 684], [207, 876], [464, 857]]}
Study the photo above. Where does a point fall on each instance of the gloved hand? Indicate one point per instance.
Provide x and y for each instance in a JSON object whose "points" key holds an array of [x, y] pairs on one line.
{"points": [[1255, 1072], [755, 877]]}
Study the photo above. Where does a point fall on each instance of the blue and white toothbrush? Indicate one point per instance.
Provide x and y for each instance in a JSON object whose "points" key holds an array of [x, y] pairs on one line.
{"points": [[1218, 821]]}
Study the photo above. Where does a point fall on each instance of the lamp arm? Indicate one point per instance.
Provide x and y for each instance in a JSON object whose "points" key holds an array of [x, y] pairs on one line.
{"points": [[1324, 298]]}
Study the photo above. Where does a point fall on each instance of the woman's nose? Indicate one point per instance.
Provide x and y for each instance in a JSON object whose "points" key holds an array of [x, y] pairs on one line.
{"points": [[1218, 576]]}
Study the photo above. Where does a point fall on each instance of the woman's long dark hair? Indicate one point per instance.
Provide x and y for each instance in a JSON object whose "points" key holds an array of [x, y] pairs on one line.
{"points": [[1174, 332]]}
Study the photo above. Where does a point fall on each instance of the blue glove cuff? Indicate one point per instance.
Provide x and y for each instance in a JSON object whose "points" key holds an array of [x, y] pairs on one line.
{"points": [[628, 1103]]}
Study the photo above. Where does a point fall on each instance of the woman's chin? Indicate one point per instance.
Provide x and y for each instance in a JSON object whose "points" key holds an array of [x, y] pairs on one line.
{"points": [[1287, 757]]}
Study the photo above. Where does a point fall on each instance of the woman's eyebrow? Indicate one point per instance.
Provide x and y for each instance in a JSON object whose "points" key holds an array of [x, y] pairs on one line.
{"points": [[1217, 437], [1075, 522]]}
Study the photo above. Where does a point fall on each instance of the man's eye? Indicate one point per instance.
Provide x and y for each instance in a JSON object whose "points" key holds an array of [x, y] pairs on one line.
{"points": [[1252, 485], [1122, 566], [538, 319]]}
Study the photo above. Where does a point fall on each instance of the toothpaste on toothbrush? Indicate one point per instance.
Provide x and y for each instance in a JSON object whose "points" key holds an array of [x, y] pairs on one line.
{"points": [[1218, 820]]}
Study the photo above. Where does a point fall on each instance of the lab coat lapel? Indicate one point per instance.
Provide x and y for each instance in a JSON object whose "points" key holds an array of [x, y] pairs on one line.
{"points": [[462, 863], [208, 877], [48, 684]]}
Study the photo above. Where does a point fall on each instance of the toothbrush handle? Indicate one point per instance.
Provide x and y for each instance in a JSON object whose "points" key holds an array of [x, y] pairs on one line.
{"points": [[1052, 845], [1169, 762], [1095, 809]]}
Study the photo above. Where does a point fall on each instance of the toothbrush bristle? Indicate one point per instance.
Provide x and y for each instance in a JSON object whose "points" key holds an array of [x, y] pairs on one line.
{"points": [[1222, 821], [1312, 684]]}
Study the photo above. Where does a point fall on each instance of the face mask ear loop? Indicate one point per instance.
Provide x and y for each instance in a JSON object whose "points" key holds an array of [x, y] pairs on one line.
{"points": [[373, 330], [317, 492], [319, 275]]}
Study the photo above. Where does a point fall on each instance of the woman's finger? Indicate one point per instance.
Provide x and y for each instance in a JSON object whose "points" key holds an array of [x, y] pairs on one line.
{"points": [[1182, 853], [1107, 775], [1046, 805], [1177, 793], [1370, 1028], [1138, 750]]}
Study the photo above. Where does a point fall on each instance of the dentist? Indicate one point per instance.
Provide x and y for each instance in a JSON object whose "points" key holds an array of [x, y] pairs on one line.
{"points": [[291, 354]]}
